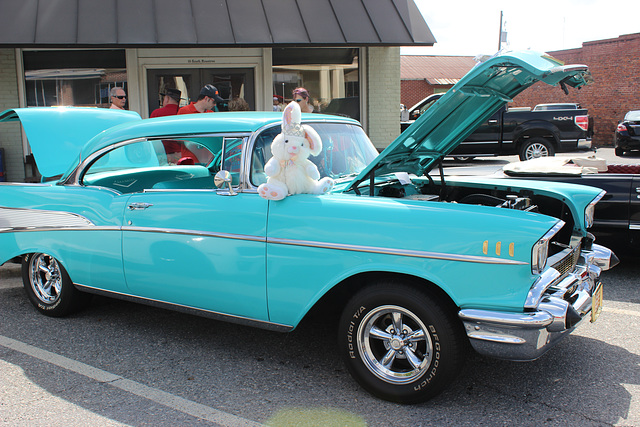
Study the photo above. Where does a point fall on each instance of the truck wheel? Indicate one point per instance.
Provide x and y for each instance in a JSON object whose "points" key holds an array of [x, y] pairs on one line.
{"points": [[399, 343], [463, 159], [49, 287], [536, 147]]}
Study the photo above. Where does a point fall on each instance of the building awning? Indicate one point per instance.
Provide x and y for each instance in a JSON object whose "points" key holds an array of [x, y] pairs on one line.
{"points": [[206, 23]]}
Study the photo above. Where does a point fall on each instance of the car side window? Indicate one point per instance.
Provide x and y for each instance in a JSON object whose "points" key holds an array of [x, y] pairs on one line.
{"points": [[232, 158], [261, 154], [156, 164]]}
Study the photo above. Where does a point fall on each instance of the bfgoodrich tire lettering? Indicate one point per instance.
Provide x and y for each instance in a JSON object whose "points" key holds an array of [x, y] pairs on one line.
{"points": [[49, 287], [400, 344]]}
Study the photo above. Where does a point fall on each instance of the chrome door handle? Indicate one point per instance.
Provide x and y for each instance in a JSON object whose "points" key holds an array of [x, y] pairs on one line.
{"points": [[139, 206], [493, 122]]}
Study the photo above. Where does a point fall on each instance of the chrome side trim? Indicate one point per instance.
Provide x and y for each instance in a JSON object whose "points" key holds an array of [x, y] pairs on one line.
{"points": [[15, 219], [634, 226], [391, 251], [195, 233], [82, 224], [188, 309]]}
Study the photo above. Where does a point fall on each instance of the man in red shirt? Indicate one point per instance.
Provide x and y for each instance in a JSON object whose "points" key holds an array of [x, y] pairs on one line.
{"points": [[206, 102], [170, 103]]}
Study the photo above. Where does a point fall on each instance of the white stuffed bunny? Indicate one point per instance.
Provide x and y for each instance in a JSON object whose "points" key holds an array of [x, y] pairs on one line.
{"points": [[289, 170]]}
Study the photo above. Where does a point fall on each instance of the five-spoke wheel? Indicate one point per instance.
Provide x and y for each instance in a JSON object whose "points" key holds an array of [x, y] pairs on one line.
{"points": [[400, 343], [48, 286]]}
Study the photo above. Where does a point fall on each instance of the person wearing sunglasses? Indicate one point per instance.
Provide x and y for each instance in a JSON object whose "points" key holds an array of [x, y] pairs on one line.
{"points": [[301, 96], [118, 98]]}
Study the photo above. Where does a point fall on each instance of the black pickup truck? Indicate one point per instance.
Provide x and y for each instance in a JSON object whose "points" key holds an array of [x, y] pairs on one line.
{"points": [[529, 134], [617, 216]]}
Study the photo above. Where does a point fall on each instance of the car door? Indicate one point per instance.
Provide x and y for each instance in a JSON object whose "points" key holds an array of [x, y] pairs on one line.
{"points": [[486, 139], [184, 241], [197, 248]]}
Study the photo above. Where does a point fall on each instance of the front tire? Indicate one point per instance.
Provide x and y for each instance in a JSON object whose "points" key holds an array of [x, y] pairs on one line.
{"points": [[400, 344], [49, 287], [536, 147]]}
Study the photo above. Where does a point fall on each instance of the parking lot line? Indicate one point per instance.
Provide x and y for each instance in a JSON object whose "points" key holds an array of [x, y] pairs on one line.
{"points": [[622, 311], [169, 400]]}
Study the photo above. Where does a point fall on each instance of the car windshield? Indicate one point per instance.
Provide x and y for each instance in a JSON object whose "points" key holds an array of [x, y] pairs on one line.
{"points": [[632, 116], [346, 150]]}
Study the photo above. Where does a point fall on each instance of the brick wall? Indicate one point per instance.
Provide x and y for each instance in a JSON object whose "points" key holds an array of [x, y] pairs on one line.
{"points": [[615, 67], [414, 91], [383, 77], [10, 133]]}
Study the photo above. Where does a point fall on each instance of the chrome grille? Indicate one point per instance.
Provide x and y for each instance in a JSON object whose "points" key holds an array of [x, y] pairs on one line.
{"points": [[568, 263]]}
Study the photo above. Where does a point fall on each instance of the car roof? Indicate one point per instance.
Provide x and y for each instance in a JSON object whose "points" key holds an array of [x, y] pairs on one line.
{"points": [[193, 124]]}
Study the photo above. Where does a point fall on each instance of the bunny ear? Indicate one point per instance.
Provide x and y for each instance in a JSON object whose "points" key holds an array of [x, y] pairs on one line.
{"points": [[292, 114], [315, 142]]}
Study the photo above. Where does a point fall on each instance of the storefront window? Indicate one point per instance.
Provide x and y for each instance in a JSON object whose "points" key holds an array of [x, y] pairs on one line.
{"points": [[73, 77], [330, 75]]}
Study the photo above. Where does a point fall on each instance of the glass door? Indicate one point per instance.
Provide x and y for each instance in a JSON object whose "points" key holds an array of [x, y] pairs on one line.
{"points": [[230, 82]]}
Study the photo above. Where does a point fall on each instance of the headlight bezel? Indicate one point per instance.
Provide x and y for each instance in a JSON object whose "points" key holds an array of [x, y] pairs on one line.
{"points": [[540, 250], [589, 211]]}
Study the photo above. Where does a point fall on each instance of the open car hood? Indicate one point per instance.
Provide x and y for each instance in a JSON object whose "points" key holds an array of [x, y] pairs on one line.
{"points": [[475, 98], [56, 134]]}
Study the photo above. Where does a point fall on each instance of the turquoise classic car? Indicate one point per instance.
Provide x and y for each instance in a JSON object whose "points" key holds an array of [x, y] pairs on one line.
{"points": [[166, 212]]}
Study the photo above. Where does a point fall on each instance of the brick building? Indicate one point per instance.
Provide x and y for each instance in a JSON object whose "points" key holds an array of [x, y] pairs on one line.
{"points": [[615, 67], [423, 75]]}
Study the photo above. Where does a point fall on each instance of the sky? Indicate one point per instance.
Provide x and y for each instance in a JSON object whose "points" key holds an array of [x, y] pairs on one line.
{"points": [[472, 27]]}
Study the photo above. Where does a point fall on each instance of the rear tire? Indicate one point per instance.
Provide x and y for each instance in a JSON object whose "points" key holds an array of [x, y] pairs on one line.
{"points": [[399, 343], [619, 152], [536, 147], [49, 287]]}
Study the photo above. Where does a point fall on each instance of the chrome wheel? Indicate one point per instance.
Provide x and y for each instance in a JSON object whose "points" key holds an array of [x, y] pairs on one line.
{"points": [[45, 278], [394, 344], [536, 150], [536, 147]]}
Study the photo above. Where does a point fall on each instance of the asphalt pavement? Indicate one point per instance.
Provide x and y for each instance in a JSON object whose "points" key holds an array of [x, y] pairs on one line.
{"points": [[118, 363]]}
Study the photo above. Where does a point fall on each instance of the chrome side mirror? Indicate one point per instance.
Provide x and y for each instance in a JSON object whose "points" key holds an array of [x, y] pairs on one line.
{"points": [[222, 179]]}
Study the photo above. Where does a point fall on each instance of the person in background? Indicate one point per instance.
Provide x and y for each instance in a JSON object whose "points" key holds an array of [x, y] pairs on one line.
{"points": [[170, 104], [276, 104], [301, 96], [238, 104], [118, 98], [205, 103]]}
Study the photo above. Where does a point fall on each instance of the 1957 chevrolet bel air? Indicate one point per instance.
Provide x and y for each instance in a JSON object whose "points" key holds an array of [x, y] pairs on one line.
{"points": [[419, 266]]}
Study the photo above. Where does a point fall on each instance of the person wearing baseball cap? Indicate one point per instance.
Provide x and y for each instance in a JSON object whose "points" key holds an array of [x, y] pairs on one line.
{"points": [[170, 102], [206, 102]]}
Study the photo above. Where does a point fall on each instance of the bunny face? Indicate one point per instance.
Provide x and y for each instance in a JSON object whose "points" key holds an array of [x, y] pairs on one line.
{"points": [[296, 141]]}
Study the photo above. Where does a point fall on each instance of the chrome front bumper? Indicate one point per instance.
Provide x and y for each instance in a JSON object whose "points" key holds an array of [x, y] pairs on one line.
{"points": [[557, 304]]}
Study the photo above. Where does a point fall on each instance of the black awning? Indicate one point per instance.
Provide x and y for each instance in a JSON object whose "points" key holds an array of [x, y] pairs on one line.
{"points": [[211, 23]]}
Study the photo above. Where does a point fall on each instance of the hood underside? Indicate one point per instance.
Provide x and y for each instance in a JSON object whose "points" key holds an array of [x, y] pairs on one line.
{"points": [[475, 98], [56, 134]]}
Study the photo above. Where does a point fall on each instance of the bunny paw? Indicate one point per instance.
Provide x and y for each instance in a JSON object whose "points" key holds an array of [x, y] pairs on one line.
{"points": [[271, 192]]}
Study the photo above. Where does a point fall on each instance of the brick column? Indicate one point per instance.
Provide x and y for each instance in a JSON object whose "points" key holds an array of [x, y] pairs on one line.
{"points": [[383, 99], [10, 133]]}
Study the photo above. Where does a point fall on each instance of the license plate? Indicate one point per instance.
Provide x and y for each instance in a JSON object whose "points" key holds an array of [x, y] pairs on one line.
{"points": [[596, 303]]}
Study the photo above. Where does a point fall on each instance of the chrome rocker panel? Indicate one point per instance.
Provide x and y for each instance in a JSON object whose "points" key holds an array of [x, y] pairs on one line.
{"points": [[528, 335]]}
